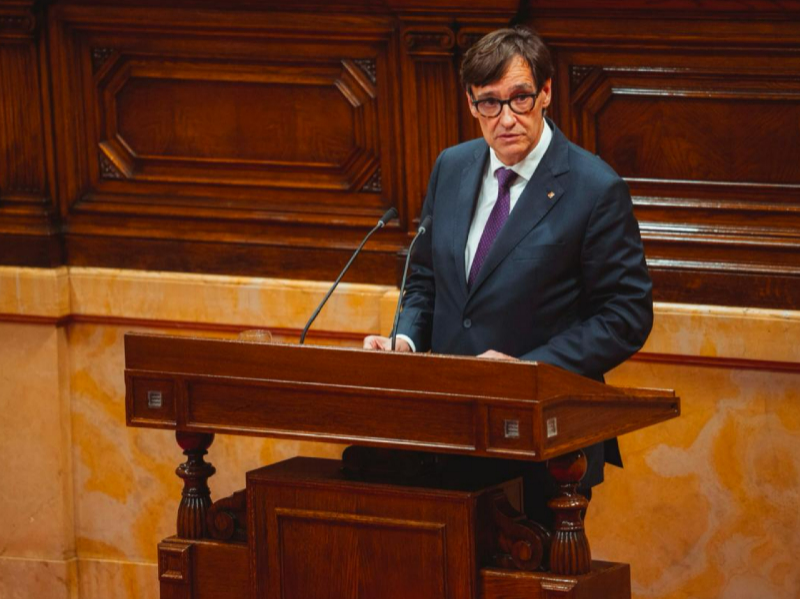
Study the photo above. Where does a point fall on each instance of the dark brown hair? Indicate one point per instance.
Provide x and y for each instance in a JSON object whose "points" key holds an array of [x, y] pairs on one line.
{"points": [[488, 59]]}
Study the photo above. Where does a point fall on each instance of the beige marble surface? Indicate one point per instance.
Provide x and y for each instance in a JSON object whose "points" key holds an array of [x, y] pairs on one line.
{"points": [[679, 329], [36, 497], [116, 579], [34, 292], [710, 499], [37, 578], [725, 332]]}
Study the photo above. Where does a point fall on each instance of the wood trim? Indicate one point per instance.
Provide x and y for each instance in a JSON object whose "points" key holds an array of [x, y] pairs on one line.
{"points": [[41, 250], [215, 327], [717, 362], [289, 332], [680, 282], [714, 362], [35, 320], [751, 10], [377, 264]]}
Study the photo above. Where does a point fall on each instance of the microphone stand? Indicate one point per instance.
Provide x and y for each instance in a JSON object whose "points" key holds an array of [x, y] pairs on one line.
{"points": [[426, 222], [390, 214]]}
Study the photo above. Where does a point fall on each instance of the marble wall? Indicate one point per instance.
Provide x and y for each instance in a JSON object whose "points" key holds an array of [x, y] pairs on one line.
{"points": [[36, 500], [710, 499], [706, 505]]}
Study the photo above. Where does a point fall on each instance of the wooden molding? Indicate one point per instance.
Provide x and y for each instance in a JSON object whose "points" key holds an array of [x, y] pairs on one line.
{"points": [[100, 56], [429, 41], [175, 560], [753, 9], [718, 362], [18, 20], [278, 332]]}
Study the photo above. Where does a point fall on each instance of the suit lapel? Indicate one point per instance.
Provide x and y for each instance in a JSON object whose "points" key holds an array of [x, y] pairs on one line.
{"points": [[470, 187], [538, 198]]}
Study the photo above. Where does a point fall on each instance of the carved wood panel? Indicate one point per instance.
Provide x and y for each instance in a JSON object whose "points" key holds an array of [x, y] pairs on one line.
{"points": [[434, 97], [705, 138], [691, 125], [314, 531], [252, 140], [23, 177], [369, 549], [192, 136], [433, 101], [167, 114], [296, 126], [26, 205]]}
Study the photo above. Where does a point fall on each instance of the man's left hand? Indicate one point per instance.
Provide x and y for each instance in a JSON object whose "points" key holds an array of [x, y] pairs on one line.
{"points": [[494, 354]]}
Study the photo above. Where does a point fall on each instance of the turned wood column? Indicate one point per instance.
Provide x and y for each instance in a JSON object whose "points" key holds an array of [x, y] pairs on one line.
{"points": [[569, 550], [196, 497]]}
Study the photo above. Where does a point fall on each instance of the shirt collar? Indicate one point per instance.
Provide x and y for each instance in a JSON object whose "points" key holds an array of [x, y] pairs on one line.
{"points": [[527, 166]]}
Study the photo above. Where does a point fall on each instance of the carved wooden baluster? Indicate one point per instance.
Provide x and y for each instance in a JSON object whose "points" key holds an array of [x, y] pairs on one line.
{"points": [[196, 497], [569, 551]]}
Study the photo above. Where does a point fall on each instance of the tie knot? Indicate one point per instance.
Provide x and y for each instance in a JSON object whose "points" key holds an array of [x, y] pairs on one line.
{"points": [[505, 177]]}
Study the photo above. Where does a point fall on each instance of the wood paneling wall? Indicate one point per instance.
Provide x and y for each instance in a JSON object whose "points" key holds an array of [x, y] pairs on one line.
{"points": [[29, 223], [261, 138], [697, 106]]}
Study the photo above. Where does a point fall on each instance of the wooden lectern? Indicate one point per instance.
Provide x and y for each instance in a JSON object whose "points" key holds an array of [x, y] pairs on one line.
{"points": [[390, 523]]}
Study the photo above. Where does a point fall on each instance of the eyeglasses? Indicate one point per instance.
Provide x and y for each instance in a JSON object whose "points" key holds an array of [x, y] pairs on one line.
{"points": [[492, 107]]}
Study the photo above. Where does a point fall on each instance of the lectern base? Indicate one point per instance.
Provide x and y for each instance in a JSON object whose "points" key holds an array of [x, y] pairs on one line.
{"points": [[313, 531]]}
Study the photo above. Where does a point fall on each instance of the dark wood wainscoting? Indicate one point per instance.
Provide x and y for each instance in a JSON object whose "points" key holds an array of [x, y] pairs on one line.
{"points": [[265, 138], [699, 110]]}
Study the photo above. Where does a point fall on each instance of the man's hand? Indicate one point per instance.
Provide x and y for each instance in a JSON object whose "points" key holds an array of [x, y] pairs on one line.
{"points": [[494, 354], [378, 342]]}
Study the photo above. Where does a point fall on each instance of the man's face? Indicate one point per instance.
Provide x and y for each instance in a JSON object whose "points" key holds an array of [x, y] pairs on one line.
{"points": [[512, 136]]}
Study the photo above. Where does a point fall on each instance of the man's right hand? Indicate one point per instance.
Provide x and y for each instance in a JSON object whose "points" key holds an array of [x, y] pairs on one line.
{"points": [[379, 342]]}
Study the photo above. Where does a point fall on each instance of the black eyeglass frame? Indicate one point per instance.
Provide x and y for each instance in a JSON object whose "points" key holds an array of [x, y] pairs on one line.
{"points": [[502, 103]]}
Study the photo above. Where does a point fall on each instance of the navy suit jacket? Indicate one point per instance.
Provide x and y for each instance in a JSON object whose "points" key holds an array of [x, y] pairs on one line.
{"points": [[565, 282]]}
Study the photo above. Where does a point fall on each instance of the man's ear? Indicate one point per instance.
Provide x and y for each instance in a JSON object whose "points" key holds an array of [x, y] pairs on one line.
{"points": [[471, 106], [546, 93]]}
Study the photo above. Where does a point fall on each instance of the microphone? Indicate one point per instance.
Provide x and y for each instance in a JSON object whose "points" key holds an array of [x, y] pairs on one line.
{"points": [[423, 228], [387, 216]]}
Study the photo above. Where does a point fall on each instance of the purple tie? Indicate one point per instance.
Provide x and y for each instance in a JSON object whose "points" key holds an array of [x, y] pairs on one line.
{"points": [[497, 219]]}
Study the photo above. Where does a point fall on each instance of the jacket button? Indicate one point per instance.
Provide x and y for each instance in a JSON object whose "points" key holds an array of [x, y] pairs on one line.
{"points": [[467, 323]]}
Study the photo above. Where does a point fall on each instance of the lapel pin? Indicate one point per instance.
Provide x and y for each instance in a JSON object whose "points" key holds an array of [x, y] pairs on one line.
{"points": [[551, 194]]}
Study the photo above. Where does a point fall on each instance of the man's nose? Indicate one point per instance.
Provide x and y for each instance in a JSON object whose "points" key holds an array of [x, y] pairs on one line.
{"points": [[507, 117]]}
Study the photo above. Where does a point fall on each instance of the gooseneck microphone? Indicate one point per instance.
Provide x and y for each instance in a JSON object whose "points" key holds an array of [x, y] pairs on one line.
{"points": [[388, 216], [423, 227]]}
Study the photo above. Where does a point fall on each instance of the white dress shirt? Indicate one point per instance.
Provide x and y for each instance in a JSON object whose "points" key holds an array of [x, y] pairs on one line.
{"points": [[487, 197]]}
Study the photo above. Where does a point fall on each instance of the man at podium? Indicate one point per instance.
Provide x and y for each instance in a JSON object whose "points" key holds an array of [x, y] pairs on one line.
{"points": [[534, 252]]}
